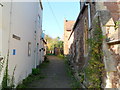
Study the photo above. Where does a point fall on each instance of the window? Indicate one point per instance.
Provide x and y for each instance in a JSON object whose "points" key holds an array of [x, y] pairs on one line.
{"points": [[38, 18], [29, 48], [85, 37]]}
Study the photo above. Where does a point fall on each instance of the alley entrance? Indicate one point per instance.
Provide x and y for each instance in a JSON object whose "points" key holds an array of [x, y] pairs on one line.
{"points": [[55, 75]]}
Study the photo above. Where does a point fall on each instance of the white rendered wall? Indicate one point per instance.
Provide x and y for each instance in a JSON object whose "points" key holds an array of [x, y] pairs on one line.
{"points": [[21, 22], [0, 30], [38, 36], [71, 40]]}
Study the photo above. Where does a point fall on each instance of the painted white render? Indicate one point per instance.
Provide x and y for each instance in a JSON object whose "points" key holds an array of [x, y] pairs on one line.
{"points": [[70, 41], [21, 28], [0, 30]]}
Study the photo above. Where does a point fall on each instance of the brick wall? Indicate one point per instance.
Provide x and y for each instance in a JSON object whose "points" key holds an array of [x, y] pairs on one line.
{"points": [[114, 8], [67, 31]]}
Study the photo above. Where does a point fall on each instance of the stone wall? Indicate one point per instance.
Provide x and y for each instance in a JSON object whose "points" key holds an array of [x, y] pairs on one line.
{"points": [[107, 14], [67, 31]]}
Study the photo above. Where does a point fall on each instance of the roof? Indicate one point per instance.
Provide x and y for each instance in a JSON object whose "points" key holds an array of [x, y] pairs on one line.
{"points": [[69, 24], [41, 5], [81, 11]]}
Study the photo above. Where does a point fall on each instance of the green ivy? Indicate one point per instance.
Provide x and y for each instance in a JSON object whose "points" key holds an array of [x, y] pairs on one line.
{"points": [[117, 23], [94, 69]]}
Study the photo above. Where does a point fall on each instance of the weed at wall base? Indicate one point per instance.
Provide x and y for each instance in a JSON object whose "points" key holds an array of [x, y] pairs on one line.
{"points": [[36, 75]]}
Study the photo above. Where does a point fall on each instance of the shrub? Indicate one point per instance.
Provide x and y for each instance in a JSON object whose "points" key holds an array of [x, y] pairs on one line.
{"points": [[35, 71]]}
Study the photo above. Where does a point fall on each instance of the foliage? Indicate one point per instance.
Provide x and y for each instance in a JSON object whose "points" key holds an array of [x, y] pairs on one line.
{"points": [[8, 82], [117, 24], [36, 75], [35, 71], [93, 71], [5, 78], [61, 56], [28, 80], [12, 80], [46, 59], [75, 83], [50, 54], [53, 42]]}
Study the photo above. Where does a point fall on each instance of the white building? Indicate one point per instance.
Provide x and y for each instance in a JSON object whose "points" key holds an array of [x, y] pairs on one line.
{"points": [[20, 38]]}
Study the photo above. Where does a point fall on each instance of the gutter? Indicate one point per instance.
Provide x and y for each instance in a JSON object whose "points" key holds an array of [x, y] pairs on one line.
{"points": [[70, 34], [82, 10], [1, 4], [89, 14], [79, 16], [75, 24], [44, 40], [41, 4], [1, 58]]}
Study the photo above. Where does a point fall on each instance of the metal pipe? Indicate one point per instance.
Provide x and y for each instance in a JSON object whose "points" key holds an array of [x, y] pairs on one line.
{"points": [[1, 58], [1, 4], [89, 14]]}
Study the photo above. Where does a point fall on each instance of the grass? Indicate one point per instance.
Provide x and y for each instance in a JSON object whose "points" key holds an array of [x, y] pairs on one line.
{"points": [[30, 79], [36, 75], [75, 83], [50, 54], [61, 56]]}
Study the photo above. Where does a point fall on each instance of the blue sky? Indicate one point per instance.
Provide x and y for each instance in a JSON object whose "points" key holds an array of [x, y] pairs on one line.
{"points": [[62, 10]]}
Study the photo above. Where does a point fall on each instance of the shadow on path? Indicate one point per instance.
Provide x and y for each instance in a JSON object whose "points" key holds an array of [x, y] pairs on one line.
{"points": [[55, 75]]}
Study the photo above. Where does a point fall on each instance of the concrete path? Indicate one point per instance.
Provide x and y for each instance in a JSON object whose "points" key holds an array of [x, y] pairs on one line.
{"points": [[55, 75]]}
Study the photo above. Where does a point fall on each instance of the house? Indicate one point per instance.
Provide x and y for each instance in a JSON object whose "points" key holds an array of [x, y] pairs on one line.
{"points": [[94, 53], [68, 24], [43, 47], [21, 38]]}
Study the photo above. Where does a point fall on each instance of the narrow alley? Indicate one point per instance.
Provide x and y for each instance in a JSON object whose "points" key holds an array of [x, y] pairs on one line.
{"points": [[55, 75], [55, 44]]}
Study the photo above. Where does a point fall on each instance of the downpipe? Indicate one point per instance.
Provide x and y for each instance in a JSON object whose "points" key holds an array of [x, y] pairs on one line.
{"points": [[89, 14]]}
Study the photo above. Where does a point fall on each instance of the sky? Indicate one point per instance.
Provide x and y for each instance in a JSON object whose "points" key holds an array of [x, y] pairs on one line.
{"points": [[53, 19]]}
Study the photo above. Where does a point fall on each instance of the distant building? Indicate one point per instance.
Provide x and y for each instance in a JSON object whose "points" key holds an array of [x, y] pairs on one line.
{"points": [[21, 39], [68, 25]]}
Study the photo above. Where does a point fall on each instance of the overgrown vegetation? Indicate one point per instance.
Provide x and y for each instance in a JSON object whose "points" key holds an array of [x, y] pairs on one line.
{"points": [[7, 81], [53, 43], [61, 56], [5, 78], [46, 59], [117, 23], [36, 75], [94, 68], [75, 83]]}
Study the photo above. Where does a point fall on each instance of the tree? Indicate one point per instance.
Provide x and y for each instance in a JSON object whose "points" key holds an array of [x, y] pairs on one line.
{"points": [[53, 42]]}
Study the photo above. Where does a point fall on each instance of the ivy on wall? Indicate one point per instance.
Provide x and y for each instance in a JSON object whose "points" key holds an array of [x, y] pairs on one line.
{"points": [[117, 23], [93, 70]]}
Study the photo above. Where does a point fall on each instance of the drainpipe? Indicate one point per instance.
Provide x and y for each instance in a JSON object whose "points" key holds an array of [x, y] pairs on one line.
{"points": [[89, 14]]}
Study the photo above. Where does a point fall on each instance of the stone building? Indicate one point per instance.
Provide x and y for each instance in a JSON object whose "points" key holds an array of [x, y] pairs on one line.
{"points": [[96, 45], [68, 25]]}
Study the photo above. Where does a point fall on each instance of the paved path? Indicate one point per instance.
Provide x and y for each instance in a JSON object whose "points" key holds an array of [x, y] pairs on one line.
{"points": [[55, 75]]}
